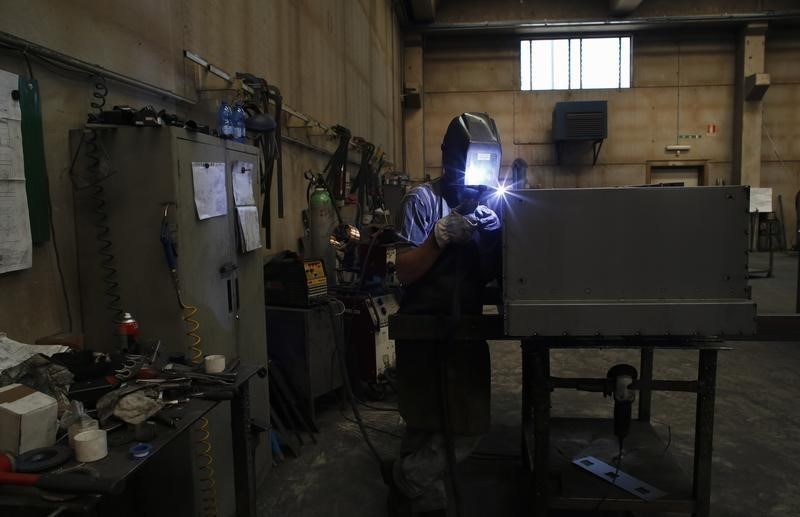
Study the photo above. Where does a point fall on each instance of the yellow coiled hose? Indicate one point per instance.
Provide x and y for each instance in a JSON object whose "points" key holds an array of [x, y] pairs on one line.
{"points": [[203, 454], [205, 467], [192, 327]]}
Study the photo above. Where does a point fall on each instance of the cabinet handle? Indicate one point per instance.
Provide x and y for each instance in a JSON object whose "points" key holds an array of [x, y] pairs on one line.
{"points": [[230, 298], [236, 284]]}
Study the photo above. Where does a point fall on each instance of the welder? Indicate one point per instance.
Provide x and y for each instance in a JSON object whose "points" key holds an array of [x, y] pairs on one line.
{"points": [[449, 250]]}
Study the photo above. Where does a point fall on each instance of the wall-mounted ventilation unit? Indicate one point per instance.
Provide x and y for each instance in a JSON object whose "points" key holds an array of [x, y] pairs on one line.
{"points": [[580, 121]]}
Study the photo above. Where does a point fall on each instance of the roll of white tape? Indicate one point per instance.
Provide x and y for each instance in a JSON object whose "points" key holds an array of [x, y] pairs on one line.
{"points": [[90, 445], [84, 424], [215, 363]]}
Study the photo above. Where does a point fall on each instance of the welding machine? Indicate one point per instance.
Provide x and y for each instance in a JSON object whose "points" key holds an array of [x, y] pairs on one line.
{"points": [[290, 281]]}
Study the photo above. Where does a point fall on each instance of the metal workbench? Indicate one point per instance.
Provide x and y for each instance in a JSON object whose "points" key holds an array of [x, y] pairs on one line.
{"points": [[120, 467], [550, 444]]}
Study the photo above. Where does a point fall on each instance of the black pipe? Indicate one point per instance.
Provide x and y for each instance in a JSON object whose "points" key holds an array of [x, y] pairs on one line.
{"points": [[96, 70]]}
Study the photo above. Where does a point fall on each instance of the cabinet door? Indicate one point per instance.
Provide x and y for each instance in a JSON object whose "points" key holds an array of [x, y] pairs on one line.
{"points": [[206, 263], [249, 284], [249, 310]]}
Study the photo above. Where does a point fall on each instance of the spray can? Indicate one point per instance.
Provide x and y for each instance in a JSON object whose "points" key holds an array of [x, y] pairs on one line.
{"points": [[128, 333]]}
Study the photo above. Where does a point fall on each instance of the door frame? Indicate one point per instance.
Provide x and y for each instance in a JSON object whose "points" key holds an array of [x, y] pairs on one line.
{"points": [[701, 165]]}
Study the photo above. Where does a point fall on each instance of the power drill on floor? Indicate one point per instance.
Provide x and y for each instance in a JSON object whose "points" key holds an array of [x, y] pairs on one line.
{"points": [[621, 377]]}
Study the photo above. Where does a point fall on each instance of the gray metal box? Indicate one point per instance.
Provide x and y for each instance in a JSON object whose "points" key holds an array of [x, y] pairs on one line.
{"points": [[631, 261]]}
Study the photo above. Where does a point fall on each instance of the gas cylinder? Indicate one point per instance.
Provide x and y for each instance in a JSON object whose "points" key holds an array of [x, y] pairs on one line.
{"points": [[321, 222]]}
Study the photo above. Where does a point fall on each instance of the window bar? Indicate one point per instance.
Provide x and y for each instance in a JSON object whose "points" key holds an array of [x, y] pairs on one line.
{"points": [[569, 64], [619, 63], [531, 70]]}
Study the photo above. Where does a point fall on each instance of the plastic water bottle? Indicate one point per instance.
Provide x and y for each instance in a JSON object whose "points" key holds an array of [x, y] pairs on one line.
{"points": [[225, 120], [239, 130]]}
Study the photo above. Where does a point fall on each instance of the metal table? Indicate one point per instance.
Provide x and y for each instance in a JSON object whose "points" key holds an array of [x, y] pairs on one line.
{"points": [[547, 442], [119, 466], [560, 484]]}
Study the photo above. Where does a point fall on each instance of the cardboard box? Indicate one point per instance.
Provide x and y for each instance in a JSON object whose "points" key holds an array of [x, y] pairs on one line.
{"points": [[28, 419]]}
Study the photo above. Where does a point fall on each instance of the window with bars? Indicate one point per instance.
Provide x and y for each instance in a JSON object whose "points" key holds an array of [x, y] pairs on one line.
{"points": [[575, 63]]}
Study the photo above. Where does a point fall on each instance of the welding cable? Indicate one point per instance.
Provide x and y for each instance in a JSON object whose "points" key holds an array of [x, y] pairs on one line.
{"points": [[376, 429], [373, 238], [613, 481], [377, 408], [334, 171], [337, 338]]}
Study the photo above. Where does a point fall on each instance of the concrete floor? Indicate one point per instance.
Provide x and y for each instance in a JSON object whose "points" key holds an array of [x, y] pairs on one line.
{"points": [[776, 294], [755, 467]]}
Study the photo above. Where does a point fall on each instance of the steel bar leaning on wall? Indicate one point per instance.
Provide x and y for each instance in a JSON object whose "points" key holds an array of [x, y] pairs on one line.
{"points": [[53, 55]]}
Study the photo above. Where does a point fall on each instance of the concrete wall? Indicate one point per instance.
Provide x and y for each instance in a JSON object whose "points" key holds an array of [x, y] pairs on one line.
{"points": [[335, 61], [682, 82]]}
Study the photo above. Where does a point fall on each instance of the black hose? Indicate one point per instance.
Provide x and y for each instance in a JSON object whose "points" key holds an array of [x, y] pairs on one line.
{"points": [[337, 338], [335, 168], [275, 95]]}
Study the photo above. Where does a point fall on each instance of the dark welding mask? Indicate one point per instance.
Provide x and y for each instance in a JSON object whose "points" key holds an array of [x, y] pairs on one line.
{"points": [[471, 157]]}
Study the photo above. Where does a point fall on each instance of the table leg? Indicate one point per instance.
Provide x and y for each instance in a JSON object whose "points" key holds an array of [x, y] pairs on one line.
{"points": [[243, 464], [646, 394], [541, 426], [704, 431], [526, 405]]}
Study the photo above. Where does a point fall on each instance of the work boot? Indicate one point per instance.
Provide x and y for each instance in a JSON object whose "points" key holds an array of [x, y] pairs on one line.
{"points": [[397, 504]]}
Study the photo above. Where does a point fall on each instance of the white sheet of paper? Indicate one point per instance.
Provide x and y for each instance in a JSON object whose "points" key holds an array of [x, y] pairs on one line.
{"points": [[210, 194], [242, 175], [12, 163], [249, 228], [9, 108], [13, 352], [16, 246], [760, 199]]}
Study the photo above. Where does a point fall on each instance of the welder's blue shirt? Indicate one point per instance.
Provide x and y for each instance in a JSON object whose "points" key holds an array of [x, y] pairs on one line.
{"points": [[456, 278], [422, 207], [420, 210]]}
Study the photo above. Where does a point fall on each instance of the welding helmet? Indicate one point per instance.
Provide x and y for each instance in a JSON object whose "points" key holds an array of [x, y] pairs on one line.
{"points": [[470, 157]]}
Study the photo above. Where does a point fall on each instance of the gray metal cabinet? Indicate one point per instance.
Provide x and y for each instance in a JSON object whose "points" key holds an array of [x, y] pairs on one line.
{"points": [[152, 168]]}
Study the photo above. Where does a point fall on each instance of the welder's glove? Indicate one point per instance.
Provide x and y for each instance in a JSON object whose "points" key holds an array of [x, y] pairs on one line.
{"points": [[485, 219], [453, 228]]}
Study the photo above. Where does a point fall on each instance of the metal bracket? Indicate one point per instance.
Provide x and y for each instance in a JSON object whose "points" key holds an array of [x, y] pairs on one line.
{"points": [[596, 145], [618, 478]]}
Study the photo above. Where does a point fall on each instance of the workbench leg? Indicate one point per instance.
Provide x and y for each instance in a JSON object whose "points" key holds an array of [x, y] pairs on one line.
{"points": [[704, 431], [541, 427], [244, 475], [646, 394], [525, 349]]}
